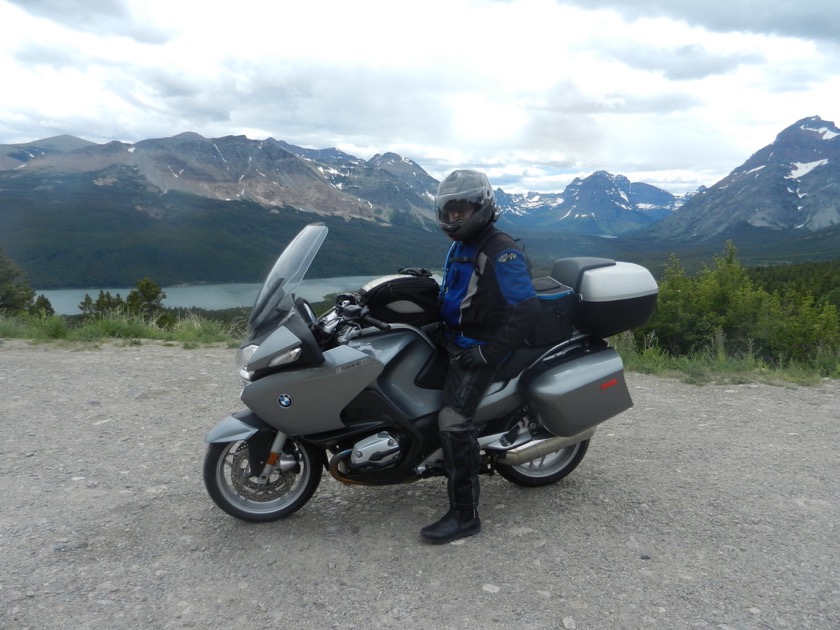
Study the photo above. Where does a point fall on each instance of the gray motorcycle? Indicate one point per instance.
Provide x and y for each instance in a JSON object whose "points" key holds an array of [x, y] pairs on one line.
{"points": [[357, 391]]}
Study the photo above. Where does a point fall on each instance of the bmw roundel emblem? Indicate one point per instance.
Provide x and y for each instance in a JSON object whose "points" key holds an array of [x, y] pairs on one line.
{"points": [[285, 401]]}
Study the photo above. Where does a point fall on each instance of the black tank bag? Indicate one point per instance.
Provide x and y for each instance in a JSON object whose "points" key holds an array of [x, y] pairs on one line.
{"points": [[410, 297]]}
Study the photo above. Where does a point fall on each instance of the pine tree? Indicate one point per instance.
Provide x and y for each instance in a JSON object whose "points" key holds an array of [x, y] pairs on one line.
{"points": [[15, 293]]}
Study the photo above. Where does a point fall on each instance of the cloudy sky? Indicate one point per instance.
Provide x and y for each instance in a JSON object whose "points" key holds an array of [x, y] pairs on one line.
{"points": [[675, 93]]}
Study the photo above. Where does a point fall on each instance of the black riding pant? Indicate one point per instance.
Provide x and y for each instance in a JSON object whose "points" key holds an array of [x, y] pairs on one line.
{"points": [[462, 393]]}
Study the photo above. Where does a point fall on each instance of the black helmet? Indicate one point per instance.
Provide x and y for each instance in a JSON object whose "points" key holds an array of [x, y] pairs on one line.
{"points": [[465, 189]]}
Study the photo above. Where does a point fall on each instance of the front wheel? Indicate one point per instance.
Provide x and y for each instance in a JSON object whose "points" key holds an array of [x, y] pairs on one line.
{"points": [[545, 470], [235, 488]]}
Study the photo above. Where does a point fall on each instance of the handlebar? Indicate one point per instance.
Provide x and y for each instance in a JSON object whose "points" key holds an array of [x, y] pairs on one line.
{"points": [[354, 312], [375, 322]]}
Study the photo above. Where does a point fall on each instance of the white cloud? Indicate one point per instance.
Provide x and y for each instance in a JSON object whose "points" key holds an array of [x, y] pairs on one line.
{"points": [[536, 92]]}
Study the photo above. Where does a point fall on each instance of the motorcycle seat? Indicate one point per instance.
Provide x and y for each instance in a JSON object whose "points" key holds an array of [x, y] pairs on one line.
{"points": [[520, 359]]}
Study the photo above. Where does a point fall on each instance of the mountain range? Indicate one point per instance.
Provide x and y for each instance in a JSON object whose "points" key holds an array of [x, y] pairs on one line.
{"points": [[600, 204], [189, 208]]}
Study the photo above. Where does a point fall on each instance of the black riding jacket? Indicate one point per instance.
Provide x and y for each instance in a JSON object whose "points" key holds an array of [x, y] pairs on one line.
{"points": [[487, 296]]}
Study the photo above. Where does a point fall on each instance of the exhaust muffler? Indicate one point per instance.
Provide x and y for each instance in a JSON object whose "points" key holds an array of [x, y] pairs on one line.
{"points": [[540, 448]]}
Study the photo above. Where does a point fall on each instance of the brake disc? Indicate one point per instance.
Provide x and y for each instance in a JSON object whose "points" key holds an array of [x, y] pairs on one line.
{"points": [[247, 484]]}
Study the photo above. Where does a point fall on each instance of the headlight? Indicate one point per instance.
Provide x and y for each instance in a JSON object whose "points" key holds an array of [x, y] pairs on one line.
{"points": [[244, 356], [290, 356]]}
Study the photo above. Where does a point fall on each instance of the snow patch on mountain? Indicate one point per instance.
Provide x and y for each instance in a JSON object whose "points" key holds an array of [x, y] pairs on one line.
{"points": [[826, 132], [800, 169]]}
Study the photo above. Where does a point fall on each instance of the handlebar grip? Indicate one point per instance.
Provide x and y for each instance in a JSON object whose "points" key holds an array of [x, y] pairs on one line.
{"points": [[374, 322], [354, 312]]}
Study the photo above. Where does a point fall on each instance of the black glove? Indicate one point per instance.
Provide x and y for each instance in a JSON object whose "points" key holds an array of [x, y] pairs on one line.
{"points": [[471, 358]]}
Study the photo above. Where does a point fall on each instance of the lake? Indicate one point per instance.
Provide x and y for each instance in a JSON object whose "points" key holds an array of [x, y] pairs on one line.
{"points": [[208, 296]]}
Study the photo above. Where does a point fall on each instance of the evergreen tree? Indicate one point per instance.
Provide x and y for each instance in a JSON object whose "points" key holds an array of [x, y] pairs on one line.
{"points": [[42, 306], [147, 302], [146, 299], [15, 293], [104, 305]]}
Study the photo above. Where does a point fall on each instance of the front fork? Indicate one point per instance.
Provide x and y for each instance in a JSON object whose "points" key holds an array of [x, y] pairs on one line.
{"points": [[275, 458], [247, 426]]}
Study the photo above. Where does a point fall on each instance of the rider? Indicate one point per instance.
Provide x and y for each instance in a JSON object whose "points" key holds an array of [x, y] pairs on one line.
{"points": [[488, 306]]}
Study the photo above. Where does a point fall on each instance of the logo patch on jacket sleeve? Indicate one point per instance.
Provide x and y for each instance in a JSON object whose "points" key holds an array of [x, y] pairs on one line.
{"points": [[507, 257]]}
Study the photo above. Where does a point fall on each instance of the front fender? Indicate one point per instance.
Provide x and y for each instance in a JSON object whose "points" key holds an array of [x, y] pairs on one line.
{"points": [[241, 425]]}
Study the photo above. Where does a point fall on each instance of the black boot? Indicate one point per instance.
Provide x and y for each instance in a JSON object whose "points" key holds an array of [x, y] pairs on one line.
{"points": [[455, 524], [461, 460]]}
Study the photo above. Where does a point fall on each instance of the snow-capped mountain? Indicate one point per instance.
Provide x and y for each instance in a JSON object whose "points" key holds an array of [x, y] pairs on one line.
{"points": [[601, 204], [791, 184]]}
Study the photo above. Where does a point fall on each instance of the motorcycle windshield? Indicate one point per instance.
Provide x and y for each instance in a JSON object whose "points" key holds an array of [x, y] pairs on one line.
{"points": [[276, 297]]}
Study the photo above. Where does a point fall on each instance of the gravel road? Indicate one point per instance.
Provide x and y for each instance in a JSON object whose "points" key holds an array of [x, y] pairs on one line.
{"points": [[701, 507]]}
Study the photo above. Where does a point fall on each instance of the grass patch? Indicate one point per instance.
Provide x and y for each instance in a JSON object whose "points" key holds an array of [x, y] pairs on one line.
{"points": [[713, 364], [188, 330]]}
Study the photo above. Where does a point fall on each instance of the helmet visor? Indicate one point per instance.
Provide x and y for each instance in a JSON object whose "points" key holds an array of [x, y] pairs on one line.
{"points": [[457, 210]]}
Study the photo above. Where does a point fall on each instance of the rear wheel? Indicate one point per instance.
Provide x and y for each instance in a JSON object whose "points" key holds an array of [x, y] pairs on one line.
{"points": [[545, 470], [235, 488]]}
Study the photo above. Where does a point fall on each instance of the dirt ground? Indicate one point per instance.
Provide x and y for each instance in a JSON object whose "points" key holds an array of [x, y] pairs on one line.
{"points": [[701, 507]]}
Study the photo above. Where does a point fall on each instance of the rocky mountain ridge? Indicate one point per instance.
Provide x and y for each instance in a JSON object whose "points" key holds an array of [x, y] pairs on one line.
{"points": [[792, 184], [270, 173], [387, 189], [601, 203]]}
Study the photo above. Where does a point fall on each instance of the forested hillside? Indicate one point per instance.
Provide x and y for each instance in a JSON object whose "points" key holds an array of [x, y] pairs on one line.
{"points": [[820, 279]]}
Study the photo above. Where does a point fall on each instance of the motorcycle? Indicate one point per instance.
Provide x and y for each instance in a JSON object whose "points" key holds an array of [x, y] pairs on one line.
{"points": [[356, 391]]}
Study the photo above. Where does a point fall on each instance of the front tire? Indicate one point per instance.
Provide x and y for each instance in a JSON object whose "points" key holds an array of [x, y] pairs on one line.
{"points": [[545, 470], [234, 487]]}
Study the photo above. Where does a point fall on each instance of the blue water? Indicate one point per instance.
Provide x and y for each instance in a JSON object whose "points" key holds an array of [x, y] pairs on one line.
{"points": [[207, 296]]}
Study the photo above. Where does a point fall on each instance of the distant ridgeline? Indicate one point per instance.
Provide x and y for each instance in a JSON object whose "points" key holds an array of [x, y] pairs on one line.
{"points": [[188, 209]]}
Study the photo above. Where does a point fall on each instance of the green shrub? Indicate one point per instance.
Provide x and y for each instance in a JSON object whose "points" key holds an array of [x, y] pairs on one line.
{"points": [[117, 326], [721, 314], [13, 327], [194, 331], [47, 327]]}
